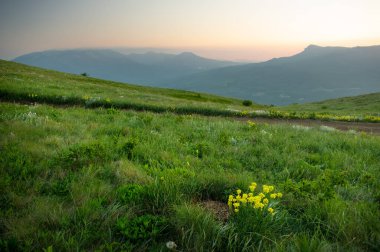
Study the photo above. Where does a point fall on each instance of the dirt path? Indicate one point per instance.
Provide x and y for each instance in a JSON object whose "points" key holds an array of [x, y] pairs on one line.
{"points": [[373, 128]]}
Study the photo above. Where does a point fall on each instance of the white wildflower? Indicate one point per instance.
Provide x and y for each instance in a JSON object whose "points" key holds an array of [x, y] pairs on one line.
{"points": [[171, 245]]}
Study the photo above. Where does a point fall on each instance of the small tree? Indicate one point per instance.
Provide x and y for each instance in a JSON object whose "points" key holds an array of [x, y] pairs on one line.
{"points": [[84, 74]]}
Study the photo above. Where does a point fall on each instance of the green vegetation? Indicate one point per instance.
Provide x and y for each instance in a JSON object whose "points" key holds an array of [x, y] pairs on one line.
{"points": [[88, 175], [25, 83], [74, 178], [247, 103], [355, 105], [28, 84]]}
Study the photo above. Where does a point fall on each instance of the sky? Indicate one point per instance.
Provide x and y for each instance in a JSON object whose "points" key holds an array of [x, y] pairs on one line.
{"points": [[244, 30]]}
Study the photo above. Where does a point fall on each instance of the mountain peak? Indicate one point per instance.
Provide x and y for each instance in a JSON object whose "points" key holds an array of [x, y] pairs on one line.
{"points": [[187, 54], [313, 47]]}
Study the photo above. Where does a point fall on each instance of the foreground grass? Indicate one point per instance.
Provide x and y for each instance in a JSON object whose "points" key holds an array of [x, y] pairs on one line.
{"points": [[104, 179]]}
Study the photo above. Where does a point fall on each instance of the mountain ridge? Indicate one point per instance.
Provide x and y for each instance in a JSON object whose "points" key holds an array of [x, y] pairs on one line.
{"points": [[149, 68], [314, 74]]}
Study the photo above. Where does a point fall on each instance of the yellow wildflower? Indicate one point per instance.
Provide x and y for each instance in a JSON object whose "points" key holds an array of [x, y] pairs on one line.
{"points": [[273, 196], [265, 201], [238, 191], [279, 195], [237, 204], [270, 210], [265, 189]]}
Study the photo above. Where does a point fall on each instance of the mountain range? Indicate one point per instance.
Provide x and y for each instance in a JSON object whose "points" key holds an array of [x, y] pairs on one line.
{"points": [[151, 68], [314, 74]]}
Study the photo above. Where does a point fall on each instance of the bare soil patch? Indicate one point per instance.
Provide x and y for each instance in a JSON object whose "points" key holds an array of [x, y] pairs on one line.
{"points": [[218, 209]]}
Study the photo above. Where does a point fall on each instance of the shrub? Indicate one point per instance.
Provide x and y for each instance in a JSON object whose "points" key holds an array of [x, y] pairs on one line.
{"points": [[247, 103]]}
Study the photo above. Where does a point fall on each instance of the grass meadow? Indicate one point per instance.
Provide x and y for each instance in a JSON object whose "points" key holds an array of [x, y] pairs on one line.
{"points": [[104, 179], [23, 83]]}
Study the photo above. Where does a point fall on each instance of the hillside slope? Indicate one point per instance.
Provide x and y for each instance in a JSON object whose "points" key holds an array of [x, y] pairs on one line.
{"points": [[30, 84], [33, 82], [368, 103], [315, 74]]}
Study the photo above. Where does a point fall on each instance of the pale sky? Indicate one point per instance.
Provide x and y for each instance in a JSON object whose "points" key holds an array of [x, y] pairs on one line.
{"points": [[222, 29]]}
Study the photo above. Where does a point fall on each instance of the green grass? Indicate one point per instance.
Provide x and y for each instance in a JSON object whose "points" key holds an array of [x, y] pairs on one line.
{"points": [[355, 105], [90, 175], [22, 83], [103, 179]]}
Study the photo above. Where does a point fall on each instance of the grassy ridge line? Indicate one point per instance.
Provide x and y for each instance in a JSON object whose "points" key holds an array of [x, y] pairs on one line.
{"points": [[359, 104], [106, 103], [89, 102]]}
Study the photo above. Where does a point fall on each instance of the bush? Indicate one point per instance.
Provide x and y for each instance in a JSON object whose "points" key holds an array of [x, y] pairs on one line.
{"points": [[247, 103]]}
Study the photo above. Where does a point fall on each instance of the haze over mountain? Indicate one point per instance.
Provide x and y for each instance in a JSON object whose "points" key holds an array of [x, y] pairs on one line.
{"points": [[149, 68], [315, 74]]}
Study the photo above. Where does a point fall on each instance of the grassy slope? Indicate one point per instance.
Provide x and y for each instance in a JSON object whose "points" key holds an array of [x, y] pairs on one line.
{"points": [[23, 83], [355, 105], [28, 81], [85, 179]]}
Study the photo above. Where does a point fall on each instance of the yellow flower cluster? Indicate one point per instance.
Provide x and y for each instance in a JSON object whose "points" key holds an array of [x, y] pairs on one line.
{"points": [[372, 118], [258, 201], [251, 124], [85, 97]]}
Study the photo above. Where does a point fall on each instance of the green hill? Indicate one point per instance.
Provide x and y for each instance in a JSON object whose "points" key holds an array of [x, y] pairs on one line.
{"points": [[80, 177], [25, 82], [354, 105], [29, 84]]}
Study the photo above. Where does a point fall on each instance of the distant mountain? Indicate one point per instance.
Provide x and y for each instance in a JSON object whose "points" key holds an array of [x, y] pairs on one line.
{"points": [[149, 68], [315, 74]]}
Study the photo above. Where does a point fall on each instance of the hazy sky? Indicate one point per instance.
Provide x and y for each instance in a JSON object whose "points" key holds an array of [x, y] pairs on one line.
{"points": [[230, 29]]}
